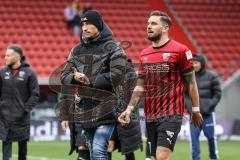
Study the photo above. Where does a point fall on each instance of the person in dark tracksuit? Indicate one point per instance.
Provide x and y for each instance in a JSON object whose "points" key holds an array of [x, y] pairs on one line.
{"points": [[210, 94], [19, 93]]}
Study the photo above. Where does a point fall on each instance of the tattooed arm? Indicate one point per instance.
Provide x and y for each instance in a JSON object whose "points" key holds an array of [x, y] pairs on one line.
{"points": [[137, 94], [192, 88], [193, 93]]}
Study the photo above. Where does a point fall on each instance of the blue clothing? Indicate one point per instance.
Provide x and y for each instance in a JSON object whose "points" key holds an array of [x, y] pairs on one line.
{"points": [[209, 89], [97, 141], [208, 128]]}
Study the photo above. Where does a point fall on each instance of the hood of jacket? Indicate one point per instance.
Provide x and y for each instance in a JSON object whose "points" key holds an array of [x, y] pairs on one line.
{"points": [[202, 60], [25, 64]]}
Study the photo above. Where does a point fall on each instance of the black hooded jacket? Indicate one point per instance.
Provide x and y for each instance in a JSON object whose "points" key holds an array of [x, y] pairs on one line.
{"points": [[19, 93], [208, 87], [103, 61]]}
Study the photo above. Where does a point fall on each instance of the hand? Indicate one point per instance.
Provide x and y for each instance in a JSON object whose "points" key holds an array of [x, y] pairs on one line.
{"points": [[64, 125], [124, 118], [110, 146], [80, 77], [197, 119]]}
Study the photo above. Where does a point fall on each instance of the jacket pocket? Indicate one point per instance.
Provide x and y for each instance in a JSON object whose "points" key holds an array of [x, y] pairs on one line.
{"points": [[5, 110], [205, 106]]}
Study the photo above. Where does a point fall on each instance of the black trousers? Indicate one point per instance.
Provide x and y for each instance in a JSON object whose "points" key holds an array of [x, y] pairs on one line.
{"points": [[7, 150]]}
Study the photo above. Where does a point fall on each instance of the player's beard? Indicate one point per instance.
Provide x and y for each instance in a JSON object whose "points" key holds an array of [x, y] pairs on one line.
{"points": [[155, 37], [11, 63]]}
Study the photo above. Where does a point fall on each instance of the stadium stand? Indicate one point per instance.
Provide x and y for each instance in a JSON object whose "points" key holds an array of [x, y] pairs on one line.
{"points": [[215, 25], [39, 27]]}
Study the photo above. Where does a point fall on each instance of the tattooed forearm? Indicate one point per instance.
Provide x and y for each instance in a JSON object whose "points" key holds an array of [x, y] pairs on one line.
{"points": [[192, 88], [190, 78], [138, 93]]}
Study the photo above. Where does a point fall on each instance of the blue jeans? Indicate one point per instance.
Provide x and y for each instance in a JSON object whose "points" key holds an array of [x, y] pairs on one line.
{"points": [[97, 141], [208, 127]]}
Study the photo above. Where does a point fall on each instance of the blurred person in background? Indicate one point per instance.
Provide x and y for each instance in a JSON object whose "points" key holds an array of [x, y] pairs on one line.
{"points": [[78, 7], [73, 13], [69, 14], [76, 23], [19, 93], [210, 94]]}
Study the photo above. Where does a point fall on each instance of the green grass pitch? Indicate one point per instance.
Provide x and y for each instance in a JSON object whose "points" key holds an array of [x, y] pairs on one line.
{"points": [[57, 150]]}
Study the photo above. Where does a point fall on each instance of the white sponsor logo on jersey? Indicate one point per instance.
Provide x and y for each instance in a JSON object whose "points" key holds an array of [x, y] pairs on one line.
{"points": [[144, 59], [166, 56], [189, 55]]}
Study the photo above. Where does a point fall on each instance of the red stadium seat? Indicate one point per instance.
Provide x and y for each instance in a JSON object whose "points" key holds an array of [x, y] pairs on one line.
{"points": [[40, 27], [218, 37]]}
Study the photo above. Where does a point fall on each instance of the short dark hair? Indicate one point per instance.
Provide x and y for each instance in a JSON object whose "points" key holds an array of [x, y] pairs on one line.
{"points": [[16, 48], [163, 17]]}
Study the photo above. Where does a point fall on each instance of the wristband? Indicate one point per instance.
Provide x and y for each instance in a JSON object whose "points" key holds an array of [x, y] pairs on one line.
{"points": [[131, 108], [195, 109]]}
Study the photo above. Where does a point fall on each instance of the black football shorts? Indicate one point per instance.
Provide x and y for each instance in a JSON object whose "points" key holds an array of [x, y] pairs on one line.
{"points": [[162, 133]]}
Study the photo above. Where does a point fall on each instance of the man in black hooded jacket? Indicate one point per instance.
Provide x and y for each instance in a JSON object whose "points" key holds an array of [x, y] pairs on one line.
{"points": [[96, 68], [210, 94], [19, 93]]}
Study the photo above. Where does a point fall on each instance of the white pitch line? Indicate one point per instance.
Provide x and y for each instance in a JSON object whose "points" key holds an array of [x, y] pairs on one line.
{"points": [[37, 158]]}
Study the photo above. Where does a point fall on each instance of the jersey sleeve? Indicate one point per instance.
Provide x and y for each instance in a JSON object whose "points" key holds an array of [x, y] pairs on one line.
{"points": [[186, 61]]}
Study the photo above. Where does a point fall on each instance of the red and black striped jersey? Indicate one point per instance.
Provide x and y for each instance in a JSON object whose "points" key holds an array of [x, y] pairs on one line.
{"points": [[164, 69]]}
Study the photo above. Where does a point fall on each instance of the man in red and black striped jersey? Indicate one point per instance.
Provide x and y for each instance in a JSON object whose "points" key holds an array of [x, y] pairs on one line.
{"points": [[165, 68]]}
